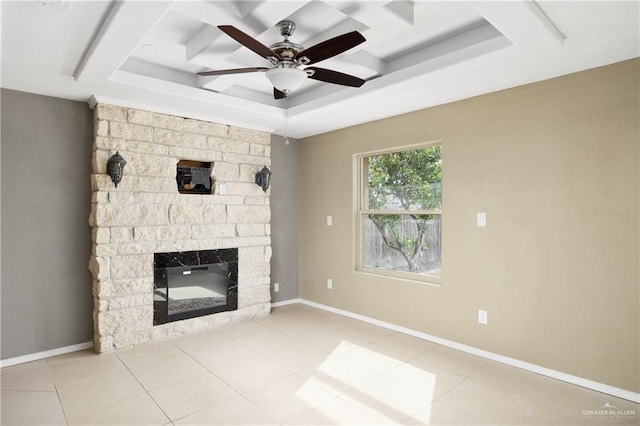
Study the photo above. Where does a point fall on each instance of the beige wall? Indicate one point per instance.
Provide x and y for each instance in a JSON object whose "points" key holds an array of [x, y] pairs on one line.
{"points": [[555, 165]]}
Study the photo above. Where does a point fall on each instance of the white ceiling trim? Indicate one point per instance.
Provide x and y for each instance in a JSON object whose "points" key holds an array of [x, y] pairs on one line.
{"points": [[117, 38], [511, 17]]}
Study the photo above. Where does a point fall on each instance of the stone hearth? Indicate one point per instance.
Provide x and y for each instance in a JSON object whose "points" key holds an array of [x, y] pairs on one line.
{"points": [[145, 214]]}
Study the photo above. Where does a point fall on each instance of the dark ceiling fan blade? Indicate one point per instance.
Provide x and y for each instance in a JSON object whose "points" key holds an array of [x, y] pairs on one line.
{"points": [[278, 94], [332, 47], [248, 41], [335, 77], [234, 71]]}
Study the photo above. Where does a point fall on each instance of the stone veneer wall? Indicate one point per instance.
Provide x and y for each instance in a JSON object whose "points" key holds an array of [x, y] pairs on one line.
{"points": [[145, 214]]}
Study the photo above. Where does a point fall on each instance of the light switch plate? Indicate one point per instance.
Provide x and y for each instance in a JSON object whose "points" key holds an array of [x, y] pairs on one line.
{"points": [[482, 219], [483, 317], [329, 220]]}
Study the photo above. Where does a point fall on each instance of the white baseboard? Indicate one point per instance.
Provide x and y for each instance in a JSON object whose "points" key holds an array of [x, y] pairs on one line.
{"points": [[46, 354], [586, 383], [286, 302]]}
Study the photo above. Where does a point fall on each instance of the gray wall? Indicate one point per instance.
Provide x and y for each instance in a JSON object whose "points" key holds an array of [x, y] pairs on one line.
{"points": [[284, 218], [46, 195]]}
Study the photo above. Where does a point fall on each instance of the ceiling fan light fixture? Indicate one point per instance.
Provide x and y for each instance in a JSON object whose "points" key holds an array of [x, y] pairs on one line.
{"points": [[286, 79], [286, 58]]}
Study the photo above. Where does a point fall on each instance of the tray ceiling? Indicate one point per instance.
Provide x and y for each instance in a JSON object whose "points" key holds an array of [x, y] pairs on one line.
{"points": [[417, 54]]}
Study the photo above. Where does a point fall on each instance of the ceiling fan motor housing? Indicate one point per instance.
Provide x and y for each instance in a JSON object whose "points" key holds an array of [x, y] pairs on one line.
{"points": [[287, 28], [286, 49], [288, 58]]}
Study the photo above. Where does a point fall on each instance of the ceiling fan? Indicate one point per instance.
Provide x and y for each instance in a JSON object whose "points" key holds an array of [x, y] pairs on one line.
{"points": [[290, 59]]}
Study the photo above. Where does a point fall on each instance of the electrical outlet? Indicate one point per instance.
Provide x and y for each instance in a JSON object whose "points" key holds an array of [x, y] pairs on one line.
{"points": [[329, 283], [329, 220], [481, 219], [483, 317], [222, 189], [276, 287]]}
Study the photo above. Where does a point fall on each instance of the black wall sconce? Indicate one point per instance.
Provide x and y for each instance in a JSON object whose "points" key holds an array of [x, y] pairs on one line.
{"points": [[263, 177], [115, 167]]}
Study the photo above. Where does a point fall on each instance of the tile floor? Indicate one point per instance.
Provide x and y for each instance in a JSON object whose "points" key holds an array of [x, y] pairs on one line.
{"points": [[299, 366]]}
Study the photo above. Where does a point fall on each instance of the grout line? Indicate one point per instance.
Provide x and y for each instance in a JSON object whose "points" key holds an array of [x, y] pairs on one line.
{"points": [[55, 386], [465, 379], [523, 365], [238, 393], [143, 388], [258, 408]]}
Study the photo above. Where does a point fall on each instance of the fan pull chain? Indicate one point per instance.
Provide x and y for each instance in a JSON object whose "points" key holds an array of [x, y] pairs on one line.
{"points": [[286, 110]]}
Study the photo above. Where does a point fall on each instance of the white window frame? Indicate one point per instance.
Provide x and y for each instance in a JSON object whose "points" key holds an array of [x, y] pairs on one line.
{"points": [[360, 181]]}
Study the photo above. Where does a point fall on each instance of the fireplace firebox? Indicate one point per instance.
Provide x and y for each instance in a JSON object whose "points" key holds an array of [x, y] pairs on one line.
{"points": [[194, 283]]}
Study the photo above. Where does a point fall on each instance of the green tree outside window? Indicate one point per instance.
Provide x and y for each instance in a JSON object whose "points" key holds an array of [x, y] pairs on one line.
{"points": [[404, 201]]}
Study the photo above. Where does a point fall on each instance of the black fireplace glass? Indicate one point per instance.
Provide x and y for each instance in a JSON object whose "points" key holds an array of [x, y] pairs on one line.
{"points": [[194, 283]]}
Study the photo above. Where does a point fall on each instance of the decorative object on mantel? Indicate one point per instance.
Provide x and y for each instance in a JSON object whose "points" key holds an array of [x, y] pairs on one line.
{"points": [[115, 167], [194, 177], [263, 177]]}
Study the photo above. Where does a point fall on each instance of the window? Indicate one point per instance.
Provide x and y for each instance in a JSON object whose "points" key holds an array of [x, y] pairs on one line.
{"points": [[400, 212]]}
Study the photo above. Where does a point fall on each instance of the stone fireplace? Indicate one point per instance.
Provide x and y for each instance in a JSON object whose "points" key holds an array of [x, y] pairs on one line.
{"points": [[146, 215]]}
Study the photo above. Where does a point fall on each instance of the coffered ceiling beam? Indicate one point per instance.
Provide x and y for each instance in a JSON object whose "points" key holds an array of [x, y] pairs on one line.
{"points": [[387, 15], [522, 22], [376, 20], [475, 35], [209, 13], [212, 14], [365, 65], [224, 82], [198, 47], [268, 13], [125, 26], [247, 16], [159, 72], [383, 20]]}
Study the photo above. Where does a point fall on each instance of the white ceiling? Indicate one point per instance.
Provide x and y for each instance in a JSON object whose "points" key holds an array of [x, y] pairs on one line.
{"points": [[418, 54]]}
